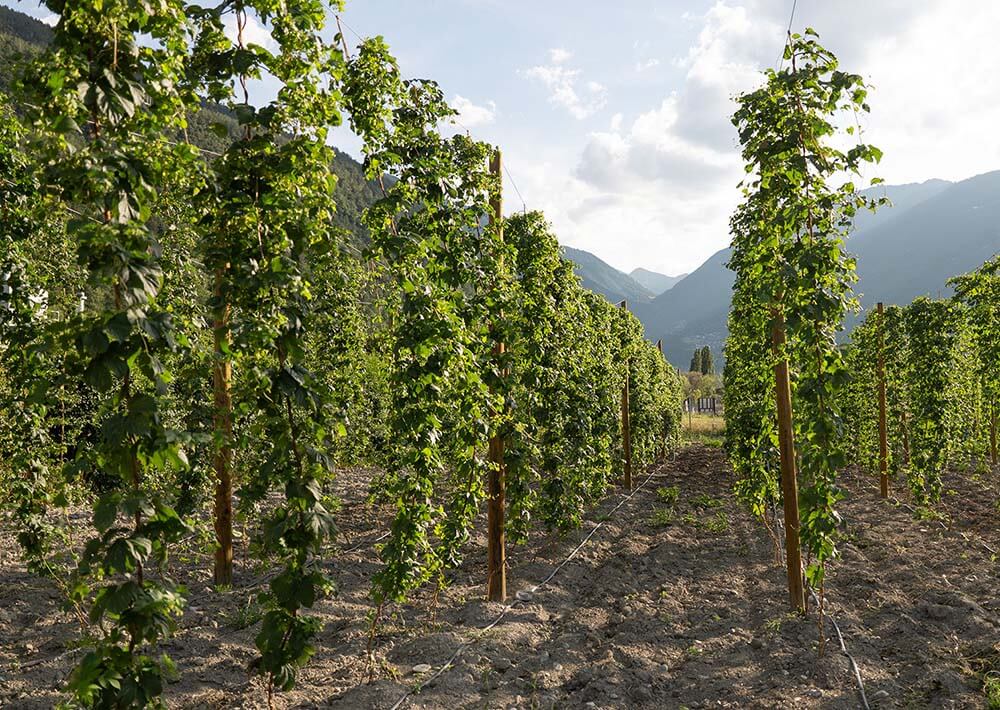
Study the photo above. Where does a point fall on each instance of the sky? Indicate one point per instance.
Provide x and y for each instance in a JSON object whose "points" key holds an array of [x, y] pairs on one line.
{"points": [[613, 118]]}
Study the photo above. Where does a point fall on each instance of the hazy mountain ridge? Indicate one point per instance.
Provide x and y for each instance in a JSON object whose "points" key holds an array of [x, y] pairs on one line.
{"points": [[692, 313], [933, 231], [600, 277], [654, 281], [946, 235]]}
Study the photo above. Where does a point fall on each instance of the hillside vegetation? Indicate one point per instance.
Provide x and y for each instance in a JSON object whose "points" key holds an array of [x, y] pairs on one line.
{"points": [[23, 36]]}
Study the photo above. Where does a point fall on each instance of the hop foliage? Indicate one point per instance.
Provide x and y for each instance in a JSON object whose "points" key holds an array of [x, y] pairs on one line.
{"points": [[940, 395], [793, 272], [137, 273]]}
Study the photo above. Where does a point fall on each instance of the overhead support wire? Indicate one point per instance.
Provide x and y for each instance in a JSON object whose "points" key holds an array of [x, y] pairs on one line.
{"points": [[524, 207], [788, 35]]}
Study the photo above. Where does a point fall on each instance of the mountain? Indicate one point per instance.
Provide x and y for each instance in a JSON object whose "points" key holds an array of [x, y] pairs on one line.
{"points": [[605, 279], [655, 282], [915, 251], [692, 313], [902, 197], [933, 231], [21, 33]]}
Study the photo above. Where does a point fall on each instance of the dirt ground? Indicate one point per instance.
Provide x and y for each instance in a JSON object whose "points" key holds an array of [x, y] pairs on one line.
{"points": [[669, 604]]}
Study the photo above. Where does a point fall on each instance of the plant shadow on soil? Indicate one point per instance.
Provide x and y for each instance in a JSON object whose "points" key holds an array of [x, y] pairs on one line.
{"points": [[669, 605]]}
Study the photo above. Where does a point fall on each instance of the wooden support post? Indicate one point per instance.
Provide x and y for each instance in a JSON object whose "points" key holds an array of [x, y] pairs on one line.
{"points": [[497, 489], [222, 461], [993, 434], [883, 426], [786, 446], [662, 454], [905, 431], [626, 422]]}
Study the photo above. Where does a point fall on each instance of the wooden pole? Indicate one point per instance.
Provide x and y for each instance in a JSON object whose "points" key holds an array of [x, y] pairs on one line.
{"points": [[626, 423], [663, 434], [883, 426], [905, 431], [222, 461], [993, 433], [786, 446], [497, 553]]}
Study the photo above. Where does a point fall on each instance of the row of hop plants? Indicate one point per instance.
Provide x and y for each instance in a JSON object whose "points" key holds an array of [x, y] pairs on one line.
{"points": [[793, 290], [464, 286], [179, 327], [940, 372]]}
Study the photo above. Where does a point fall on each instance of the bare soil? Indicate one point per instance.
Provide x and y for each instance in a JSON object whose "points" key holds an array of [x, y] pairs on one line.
{"points": [[665, 606]]}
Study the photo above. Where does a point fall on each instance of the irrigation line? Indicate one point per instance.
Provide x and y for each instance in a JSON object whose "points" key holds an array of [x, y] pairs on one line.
{"points": [[259, 580], [836, 626], [843, 649], [365, 543], [51, 659], [471, 642]]}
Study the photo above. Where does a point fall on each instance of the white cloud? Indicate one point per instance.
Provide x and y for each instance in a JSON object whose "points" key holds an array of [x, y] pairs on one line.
{"points": [[674, 170], [654, 151], [470, 115], [559, 55], [642, 224], [935, 113], [50, 20], [658, 191], [643, 61], [940, 132], [253, 32], [563, 85]]}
